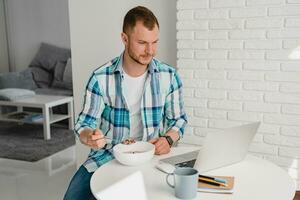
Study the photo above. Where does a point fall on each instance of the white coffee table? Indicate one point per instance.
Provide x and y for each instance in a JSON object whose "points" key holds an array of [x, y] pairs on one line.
{"points": [[46, 103]]}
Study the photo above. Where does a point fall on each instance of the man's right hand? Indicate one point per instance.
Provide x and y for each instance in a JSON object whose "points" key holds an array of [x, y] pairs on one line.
{"points": [[92, 138]]}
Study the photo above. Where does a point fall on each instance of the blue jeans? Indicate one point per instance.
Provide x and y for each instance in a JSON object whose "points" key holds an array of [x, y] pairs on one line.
{"points": [[79, 187]]}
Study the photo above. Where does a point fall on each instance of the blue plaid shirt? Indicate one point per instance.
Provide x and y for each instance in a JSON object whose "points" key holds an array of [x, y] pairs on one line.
{"points": [[105, 107]]}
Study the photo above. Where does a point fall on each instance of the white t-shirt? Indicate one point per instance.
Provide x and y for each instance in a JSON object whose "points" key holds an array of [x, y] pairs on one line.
{"points": [[133, 91]]}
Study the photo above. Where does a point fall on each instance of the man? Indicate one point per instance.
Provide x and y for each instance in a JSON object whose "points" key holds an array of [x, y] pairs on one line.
{"points": [[133, 96]]}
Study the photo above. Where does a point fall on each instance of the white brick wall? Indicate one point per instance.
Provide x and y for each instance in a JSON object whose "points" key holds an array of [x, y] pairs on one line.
{"points": [[233, 57]]}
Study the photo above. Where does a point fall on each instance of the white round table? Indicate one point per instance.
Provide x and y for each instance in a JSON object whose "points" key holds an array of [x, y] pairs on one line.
{"points": [[255, 179]]}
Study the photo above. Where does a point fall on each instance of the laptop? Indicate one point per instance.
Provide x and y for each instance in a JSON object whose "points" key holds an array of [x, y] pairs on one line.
{"points": [[220, 149]]}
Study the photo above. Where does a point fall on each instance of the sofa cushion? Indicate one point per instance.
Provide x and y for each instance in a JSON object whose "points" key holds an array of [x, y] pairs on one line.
{"points": [[54, 91], [64, 81], [12, 94], [68, 72], [23, 79], [42, 78], [59, 71], [62, 85], [48, 55]]}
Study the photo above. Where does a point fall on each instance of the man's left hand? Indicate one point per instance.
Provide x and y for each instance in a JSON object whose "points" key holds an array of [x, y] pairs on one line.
{"points": [[161, 145]]}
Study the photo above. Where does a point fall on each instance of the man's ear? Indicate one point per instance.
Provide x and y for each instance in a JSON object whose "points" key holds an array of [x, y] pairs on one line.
{"points": [[124, 38]]}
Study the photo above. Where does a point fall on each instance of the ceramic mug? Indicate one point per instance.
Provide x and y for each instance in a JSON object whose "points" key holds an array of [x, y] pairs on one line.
{"points": [[185, 182]]}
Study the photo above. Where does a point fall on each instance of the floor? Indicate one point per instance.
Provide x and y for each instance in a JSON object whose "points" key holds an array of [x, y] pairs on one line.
{"points": [[46, 179]]}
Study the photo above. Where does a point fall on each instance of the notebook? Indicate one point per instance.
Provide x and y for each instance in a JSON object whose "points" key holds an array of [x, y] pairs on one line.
{"points": [[220, 148], [204, 187]]}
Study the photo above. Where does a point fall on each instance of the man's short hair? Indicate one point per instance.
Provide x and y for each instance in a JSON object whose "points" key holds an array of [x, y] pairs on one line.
{"points": [[136, 14]]}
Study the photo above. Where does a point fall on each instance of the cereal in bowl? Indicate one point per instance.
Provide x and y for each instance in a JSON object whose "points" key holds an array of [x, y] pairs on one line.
{"points": [[129, 141]]}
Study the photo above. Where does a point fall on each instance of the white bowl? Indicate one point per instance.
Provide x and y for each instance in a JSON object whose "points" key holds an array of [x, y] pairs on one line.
{"points": [[134, 154]]}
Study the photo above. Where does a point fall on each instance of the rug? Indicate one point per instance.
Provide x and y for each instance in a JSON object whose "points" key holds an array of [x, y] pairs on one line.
{"points": [[26, 141]]}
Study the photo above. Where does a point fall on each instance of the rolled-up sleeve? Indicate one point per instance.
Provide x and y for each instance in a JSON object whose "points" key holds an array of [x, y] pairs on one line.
{"points": [[174, 106], [93, 107]]}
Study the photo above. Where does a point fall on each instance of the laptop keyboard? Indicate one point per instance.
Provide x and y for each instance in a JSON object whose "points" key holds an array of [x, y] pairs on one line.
{"points": [[190, 163], [187, 158]]}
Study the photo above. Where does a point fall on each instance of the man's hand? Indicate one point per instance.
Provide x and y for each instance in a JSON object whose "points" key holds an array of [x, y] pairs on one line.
{"points": [[161, 145], [93, 138]]}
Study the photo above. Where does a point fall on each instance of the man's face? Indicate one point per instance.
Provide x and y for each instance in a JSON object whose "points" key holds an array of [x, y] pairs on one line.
{"points": [[141, 43]]}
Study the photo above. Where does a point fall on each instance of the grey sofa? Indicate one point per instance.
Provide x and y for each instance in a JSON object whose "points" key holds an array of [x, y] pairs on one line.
{"points": [[50, 72]]}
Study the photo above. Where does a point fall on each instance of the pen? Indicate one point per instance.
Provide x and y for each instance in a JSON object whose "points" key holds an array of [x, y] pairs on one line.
{"points": [[211, 182], [213, 178], [208, 182]]}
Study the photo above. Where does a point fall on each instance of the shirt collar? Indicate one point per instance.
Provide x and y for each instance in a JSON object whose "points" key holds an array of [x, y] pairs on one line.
{"points": [[152, 67]]}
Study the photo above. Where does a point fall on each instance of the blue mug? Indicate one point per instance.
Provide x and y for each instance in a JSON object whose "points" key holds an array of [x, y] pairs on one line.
{"points": [[185, 182]]}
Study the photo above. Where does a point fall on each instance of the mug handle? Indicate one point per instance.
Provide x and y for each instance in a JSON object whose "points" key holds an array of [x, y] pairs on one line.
{"points": [[167, 180]]}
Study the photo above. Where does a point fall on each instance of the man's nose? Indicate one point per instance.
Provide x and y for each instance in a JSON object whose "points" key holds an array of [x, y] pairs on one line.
{"points": [[149, 49]]}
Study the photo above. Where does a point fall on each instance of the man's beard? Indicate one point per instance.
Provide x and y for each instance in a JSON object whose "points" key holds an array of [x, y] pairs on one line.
{"points": [[136, 59]]}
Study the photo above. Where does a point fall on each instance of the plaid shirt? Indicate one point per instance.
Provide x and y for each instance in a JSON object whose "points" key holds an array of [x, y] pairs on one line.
{"points": [[105, 107]]}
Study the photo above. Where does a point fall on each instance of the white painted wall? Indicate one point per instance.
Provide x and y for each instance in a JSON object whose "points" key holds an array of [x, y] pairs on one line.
{"points": [[95, 28], [31, 22], [3, 41], [233, 56]]}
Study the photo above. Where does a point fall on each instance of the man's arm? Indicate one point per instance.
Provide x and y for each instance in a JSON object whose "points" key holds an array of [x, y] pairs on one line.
{"points": [[88, 120], [175, 117], [174, 107]]}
